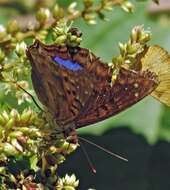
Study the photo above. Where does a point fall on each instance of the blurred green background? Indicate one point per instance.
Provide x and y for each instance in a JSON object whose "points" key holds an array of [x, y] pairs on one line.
{"points": [[141, 133]]}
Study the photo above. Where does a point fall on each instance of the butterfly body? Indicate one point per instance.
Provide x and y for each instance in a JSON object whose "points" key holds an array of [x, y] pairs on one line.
{"points": [[77, 87]]}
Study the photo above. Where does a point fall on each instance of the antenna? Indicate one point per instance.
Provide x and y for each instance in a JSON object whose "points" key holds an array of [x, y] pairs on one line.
{"points": [[32, 97], [103, 149], [87, 157]]}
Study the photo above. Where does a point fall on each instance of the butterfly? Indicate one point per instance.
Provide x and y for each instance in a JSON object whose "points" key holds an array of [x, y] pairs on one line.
{"points": [[77, 87]]}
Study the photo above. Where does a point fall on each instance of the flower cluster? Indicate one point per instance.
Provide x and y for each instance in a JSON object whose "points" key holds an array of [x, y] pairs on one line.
{"points": [[130, 51], [19, 133]]}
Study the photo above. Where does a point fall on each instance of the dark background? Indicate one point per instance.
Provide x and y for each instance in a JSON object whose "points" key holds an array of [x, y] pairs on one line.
{"points": [[148, 167]]}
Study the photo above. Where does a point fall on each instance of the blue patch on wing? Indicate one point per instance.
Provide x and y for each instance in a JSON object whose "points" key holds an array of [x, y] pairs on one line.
{"points": [[71, 65]]}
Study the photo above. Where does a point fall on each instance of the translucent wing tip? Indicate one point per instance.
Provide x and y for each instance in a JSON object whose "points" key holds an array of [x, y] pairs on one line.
{"points": [[157, 60]]}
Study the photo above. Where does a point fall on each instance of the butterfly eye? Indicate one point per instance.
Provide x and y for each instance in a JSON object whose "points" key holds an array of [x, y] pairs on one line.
{"points": [[73, 51]]}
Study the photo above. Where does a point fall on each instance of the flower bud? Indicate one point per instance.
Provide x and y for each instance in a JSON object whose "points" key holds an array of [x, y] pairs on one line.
{"points": [[20, 49], [88, 3], [122, 48], [3, 33], [2, 120], [61, 39], [71, 8], [17, 145], [127, 6], [10, 150], [70, 180], [12, 27], [5, 115], [25, 117], [43, 15], [10, 123], [58, 12], [2, 56]]}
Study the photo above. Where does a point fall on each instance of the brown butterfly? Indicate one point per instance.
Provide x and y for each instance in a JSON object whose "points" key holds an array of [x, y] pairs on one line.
{"points": [[77, 87]]}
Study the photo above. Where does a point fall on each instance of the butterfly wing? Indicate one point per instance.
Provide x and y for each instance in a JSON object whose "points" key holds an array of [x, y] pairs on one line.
{"points": [[77, 89], [157, 60], [128, 88], [65, 87]]}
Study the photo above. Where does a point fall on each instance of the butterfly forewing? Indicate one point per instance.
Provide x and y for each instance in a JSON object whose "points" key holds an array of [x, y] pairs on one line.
{"points": [[64, 92]]}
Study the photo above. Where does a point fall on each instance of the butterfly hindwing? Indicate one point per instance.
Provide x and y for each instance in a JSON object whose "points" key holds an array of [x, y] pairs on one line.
{"points": [[128, 88]]}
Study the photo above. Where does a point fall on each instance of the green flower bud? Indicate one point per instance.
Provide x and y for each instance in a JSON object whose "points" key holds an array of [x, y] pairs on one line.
{"points": [[12, 27], [78, 40], [71, 8], [15, 134], [127, 6], [73, 38], [10, 150], [88, 3], [43, 15], [3, 33], [2, 170], [41, 35], [20, 49], [59, 31], [59, 158], [10, 123], [2, 56], [135, 34], [61, 39], [108, 6], [2, 120], [26, 115], [5, 116], [71, 180], [132, 48], [14, 114], [58, 12], [68, 188], [145, 38], [122, 48], [89, 17], [68, 148], [17, 145]]}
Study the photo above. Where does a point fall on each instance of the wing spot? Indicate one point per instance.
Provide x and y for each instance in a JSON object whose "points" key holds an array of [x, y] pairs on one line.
{"points": [[86, 92], [136, 94], [136, 85]]}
